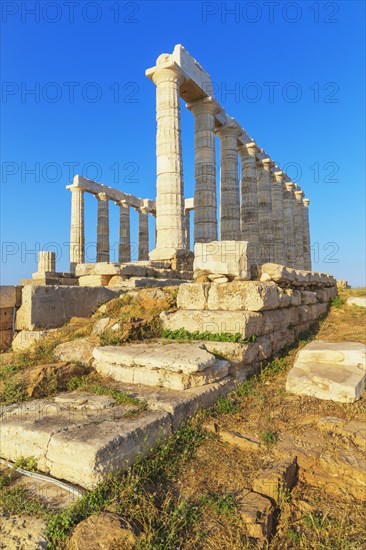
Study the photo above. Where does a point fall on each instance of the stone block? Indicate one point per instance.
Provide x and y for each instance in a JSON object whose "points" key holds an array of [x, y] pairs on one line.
{"points": [[359, 301], [223, 258], [10, 296], [246, 323], [257, 513], [6, 318], [329, 371], [94, 280], [182, 260], [308, 297], [46, 307], [276, 480], [237, 354], [295, 296], [98, 268], [277, 273], [240, 295], [193, 296], [276, 320], [79, 350], [6, 337]]}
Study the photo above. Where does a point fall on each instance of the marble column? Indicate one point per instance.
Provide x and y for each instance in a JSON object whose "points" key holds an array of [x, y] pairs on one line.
{"points": [[169, 183], [278, 216], [205, 201], [266, 241], [124, 249], [77, 232], [249, 223], [306, 230], [46, 262], [103, 228], [143, 252], [188, 227], [289, 224], [299, 233], [229, 182]]}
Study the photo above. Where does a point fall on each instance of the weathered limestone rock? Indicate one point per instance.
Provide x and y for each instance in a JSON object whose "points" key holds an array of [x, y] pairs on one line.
{"points": [[117, 281], [223, 257], [94, 280], [246, 323], [250, 296], [26, 339], [353, 430], [193, 296], [52, 306], [334, 371], [102, 532], [359, 301], [80, 350], [277, 273], [6, 318], [308, 297], [174, 366], [6, 337], [100, 326], [275, 480], [342, 284], [257, 513], [67, 429], [10, 296]]}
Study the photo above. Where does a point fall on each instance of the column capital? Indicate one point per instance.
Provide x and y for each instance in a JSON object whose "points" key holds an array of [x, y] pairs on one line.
{"points": [[122, 203], [289, 185], [167, 72], [204, 105], [248, 150], [299, 193], [143, 209], [278, 174], [266, 163], [102, 197], [74, 188], [306, 202], [230, 128]]}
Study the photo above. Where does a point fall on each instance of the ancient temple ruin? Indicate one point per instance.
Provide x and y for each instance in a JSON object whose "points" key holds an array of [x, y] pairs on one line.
{"points": [[262, 206]]}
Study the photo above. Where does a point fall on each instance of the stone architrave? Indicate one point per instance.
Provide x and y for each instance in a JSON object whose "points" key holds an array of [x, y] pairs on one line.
{"points": [[299, 233], [205, 201], [168, 78], [306, 228], [77, 232], [278, 217], [103, 228], [124, 249], [249, 223], [229, 181], [266, 244], [143, 251], [289, 224]]}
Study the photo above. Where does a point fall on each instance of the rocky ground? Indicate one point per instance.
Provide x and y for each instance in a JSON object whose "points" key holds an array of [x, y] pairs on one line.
{"points": [[304, 456]]}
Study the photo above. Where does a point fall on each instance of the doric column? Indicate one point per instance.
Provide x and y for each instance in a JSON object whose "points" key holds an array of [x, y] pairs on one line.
{"points": [[77, 237], [229, 182], [266, 241], [306, 229], [169, 183], [46, 262], [289, 224], [103, 228], [249, 225], [299, 233], [187, 215], [124, 248], [278, 215], [143, 253], [205, 216]]}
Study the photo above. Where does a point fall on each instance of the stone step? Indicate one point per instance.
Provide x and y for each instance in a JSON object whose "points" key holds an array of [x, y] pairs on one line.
{"points": [[347, 353], [173, 366]]}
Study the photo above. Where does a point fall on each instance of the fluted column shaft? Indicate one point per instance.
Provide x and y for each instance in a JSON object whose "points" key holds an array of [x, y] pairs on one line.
{"points": [[205, 201], [249, 221], [187, 216], [169, 184], [289, 224], [277, 216], [266, 243], [77, 232], [229, 184], [124, 249], [299, 232], [306, 229], [103, 228], [143, 252]]}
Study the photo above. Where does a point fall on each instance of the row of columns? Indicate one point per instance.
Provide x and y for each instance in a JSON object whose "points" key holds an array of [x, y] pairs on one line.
{"points": [[77, 234], [261, 207]]}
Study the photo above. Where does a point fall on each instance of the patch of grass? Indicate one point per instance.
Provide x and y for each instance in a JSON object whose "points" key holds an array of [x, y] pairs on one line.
{"points": [[247, 387], [337, 302], [276, 366], [183, 334], [12, 392], [87, 383], [269, 437], [226, 405], [27, 463], [221, 504], [16, 500], [7, 477]]}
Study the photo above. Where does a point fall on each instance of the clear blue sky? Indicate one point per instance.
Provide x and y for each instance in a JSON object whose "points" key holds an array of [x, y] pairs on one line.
{"points": [[298, 75]]}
